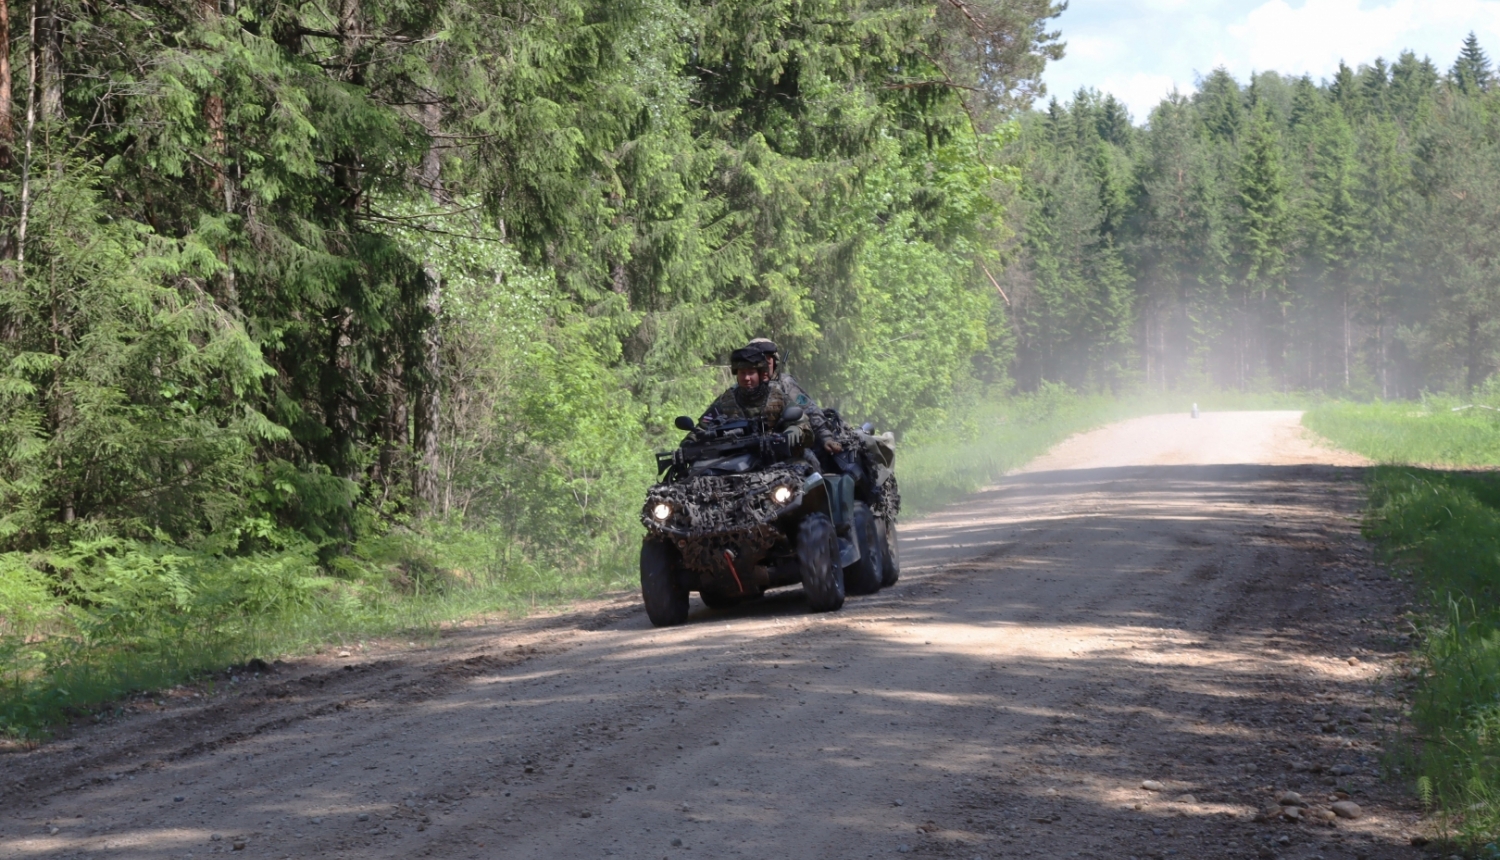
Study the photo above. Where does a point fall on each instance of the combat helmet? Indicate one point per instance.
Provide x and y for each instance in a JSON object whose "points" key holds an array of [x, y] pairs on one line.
{"points": [[748, 357]]}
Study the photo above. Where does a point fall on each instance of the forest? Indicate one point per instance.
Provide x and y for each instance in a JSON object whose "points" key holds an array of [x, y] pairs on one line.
{"points": [[344, 299], [280, 277], [1337, 236]]}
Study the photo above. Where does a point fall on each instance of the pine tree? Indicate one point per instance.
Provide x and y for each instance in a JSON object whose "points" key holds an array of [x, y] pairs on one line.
{"points": [[1413, 84], [1345, 90], [1262, 194], [1336, 223], [1374, 87], [1471, 72], [1221, 105]]}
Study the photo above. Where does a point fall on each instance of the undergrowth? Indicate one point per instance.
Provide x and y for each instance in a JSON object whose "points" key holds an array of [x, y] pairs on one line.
{"points": [[139, 617], [1444, 526]]}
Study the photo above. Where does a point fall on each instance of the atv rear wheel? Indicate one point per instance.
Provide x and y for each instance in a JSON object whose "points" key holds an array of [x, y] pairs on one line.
{"points": [[890, 555], [818, 558], [665, 596], [864, 576]]}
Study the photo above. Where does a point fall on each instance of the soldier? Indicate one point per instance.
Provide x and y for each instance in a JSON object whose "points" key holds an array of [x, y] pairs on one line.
{"points": [[793, 393], [755, 396]]}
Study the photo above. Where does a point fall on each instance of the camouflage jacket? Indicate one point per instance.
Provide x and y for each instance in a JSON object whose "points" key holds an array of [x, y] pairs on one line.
{"points": [[793, 395], [731, 405]]}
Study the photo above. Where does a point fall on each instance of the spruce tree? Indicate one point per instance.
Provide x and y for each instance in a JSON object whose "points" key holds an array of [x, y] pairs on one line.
{"points": [[1262, 195], [1413, 85], [1471, 72], [1221, 105]]}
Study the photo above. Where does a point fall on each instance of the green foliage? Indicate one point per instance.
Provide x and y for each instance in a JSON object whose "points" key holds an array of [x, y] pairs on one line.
{"points": [[1075, 295], [1471, 71], [125, 402]]}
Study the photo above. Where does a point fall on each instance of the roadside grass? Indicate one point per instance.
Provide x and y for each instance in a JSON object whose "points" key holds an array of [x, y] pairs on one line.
{"points": [[133, 617], [64, 657], [1437, 432], [1443, 527]]}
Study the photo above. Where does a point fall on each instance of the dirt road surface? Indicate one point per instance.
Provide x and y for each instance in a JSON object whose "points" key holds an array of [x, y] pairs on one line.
{"points": [[1167, 599]]}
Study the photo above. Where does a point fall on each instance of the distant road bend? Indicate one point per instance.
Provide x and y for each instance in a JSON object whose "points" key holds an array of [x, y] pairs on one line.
{"points": [[1185, 601]]}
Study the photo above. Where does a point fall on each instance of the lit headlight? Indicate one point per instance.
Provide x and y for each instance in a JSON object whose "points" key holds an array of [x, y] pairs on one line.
{"points": [[662, 511], [781, 495]]}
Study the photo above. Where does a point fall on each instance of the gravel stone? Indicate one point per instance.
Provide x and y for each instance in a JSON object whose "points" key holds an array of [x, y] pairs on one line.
{"points": [[1347, 809]]}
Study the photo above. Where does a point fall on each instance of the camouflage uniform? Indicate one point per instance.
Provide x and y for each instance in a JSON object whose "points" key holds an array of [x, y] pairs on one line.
{"points": [[767, 401], [793, 394]]}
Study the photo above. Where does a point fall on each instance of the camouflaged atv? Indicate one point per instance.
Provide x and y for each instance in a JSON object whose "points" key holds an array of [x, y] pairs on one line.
{"points": [[735, 514]]}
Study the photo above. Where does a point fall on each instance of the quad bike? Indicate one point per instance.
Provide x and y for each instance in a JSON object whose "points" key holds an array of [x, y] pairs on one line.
{"points": [[737, 512]]}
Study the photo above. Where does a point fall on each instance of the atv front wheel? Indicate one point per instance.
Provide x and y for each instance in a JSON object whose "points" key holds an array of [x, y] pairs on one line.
{"points": [[665, 596], [818, 558], [864, 576], [890, 556]]}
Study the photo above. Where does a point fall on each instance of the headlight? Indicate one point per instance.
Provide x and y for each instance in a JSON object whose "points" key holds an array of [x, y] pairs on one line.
{"points": [[781, 495], [661, 512]]}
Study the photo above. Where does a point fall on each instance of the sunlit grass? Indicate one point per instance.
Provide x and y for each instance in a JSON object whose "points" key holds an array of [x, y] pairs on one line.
{"points": [[1435, 432], [1443, 526]]}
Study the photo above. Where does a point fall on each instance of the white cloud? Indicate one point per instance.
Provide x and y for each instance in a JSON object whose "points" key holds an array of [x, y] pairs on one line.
{"points": [[1145, 89], [1140, 49], [1095, 48], [1315, 37]]}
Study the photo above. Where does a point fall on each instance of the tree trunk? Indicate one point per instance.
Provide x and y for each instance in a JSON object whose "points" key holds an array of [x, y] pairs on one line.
{"points": [[7, 156], [7, 98], [220, 185], [1347, 340], [1475, 376], [32, 61], [48, 32], [427, 404]]}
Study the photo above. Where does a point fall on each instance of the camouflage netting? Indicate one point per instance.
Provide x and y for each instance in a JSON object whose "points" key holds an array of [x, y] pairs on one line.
{"points": [[723, 512], [877, 454]]}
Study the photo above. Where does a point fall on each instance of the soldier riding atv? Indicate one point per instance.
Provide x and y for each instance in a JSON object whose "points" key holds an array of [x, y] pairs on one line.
{"points": [[744, 506]]}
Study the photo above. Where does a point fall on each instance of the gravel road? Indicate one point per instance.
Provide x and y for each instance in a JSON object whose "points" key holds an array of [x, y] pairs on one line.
{"points": [[1184, 601]]}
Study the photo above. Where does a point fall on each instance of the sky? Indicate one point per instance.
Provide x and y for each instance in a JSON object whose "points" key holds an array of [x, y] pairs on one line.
{"points": [[1140, 49]]}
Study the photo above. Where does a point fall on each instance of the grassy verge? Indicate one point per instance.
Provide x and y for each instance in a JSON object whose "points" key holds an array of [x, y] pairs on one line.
{"points": [[134, 617], [141, 618], [1436, 432], [1443, 526]]}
